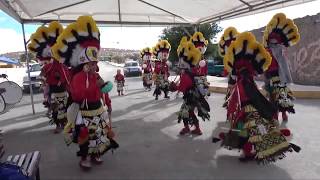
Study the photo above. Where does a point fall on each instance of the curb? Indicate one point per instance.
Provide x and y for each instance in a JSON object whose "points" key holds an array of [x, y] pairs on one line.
{"points": [[296, 94]]}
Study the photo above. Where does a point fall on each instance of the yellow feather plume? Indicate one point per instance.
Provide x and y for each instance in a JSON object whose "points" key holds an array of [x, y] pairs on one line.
{"points": [[55, 29], [145, 50], [246, 47], [229, 34], [284, 27], [198, 37], [85, 29]]}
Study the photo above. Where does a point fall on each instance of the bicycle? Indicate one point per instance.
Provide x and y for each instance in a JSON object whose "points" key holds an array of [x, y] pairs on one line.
{"points": [[10, 94]]}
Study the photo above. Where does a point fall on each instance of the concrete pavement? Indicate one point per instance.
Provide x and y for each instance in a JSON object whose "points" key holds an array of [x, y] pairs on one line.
{"points": [[150, 147]]}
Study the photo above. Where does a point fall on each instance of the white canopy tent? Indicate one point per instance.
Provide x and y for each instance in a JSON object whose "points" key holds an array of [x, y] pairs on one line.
{"points": [[137, 12]]}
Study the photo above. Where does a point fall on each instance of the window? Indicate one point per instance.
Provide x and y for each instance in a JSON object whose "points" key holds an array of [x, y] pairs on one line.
{"points": [[131, 64], [35, 67]]}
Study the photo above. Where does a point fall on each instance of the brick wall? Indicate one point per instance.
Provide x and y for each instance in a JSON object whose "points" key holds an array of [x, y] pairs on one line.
{"points": [[304, 57]]}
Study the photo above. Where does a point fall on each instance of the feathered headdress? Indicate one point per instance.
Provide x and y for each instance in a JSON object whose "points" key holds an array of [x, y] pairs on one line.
{"points": [[188, 52], [228, 36], [162, 45], [79, 43], [145, 51], [246, 53], [199, 42], [281, 30], [43, 39]]}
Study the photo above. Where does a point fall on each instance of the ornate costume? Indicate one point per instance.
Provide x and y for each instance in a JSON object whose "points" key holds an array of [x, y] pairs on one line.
{"points": [[200, 70], [78, 47], [252, 127], [161, 70], [119, 79], [189, 57], [280, 32], [146, 55], [55, 73], [228, 36]]}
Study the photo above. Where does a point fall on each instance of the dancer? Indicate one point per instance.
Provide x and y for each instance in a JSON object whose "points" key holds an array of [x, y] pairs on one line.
{"points": [[252, 128], [56, 74], [200, 70], [78, 47], [161, 71], [189, 57], [280, 32], [146, 55], [228, 36]]}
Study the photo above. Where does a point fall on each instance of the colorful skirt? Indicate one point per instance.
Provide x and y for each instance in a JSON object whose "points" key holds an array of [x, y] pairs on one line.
{"points": [[161, 82], [202, 85], [147, 79], [259, 136], [58, 105], [283, 98], [192, 100], [120, 85], [91, 132], [280, 94]]}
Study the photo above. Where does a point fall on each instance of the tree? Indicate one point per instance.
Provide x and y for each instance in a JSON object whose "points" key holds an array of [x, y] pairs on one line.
{"points": [[174, 35], [22, 57], [118, 59], [213, 53]]}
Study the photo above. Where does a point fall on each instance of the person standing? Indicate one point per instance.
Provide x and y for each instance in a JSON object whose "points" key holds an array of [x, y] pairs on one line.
{"points": [[249, 113], [189, 57], [55, 73], [229, 35], [280, 32], [200, 70], [89, 123], [161, 70], [146, 55]]}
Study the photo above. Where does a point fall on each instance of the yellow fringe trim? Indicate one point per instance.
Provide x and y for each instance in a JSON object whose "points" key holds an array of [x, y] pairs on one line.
{"points": [[92, 113], [273, 150], [98, 149], [60, 95], [249, 108], [275, 79], [255, 139], [249, 124]]}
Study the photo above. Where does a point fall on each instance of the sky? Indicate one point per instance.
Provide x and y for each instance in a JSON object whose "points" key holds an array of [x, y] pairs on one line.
{"points": [[11, 39]]}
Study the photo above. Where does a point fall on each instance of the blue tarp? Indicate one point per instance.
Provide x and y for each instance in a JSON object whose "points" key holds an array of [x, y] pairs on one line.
{"points": [[8, 60]]}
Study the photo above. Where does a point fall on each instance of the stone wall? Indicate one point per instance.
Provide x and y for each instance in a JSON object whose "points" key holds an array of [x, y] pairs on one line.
{"points": [[304, 57]]}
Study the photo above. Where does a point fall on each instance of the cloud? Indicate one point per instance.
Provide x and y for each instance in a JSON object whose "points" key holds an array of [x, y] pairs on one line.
{"points": [[11, 41]]}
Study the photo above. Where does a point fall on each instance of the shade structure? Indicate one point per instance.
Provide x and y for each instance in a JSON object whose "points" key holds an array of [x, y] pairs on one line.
{"points": [[7, 60], [138, 12]]}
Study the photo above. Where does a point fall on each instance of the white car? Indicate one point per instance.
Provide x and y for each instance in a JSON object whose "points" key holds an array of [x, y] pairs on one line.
{"points": [[35, 70], [132, 68]]}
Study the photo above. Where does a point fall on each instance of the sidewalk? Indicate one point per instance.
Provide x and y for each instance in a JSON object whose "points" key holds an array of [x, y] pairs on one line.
{"points": [[219, 85]]}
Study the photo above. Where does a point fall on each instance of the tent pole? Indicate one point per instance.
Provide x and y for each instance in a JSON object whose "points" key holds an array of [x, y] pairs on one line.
{"points": [[28, 68]]}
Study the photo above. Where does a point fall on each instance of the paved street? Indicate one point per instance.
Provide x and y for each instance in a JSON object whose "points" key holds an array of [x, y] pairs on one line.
{"points": [[149, 145]]}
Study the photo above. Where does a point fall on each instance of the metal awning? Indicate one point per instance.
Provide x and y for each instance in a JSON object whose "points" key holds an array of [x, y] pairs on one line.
{"points": [[138, 12], [7, 60]]}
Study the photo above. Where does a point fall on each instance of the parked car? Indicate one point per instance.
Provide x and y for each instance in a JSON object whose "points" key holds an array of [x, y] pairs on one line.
{"points": [[215, 69], [35, 70], [132, 68]]}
